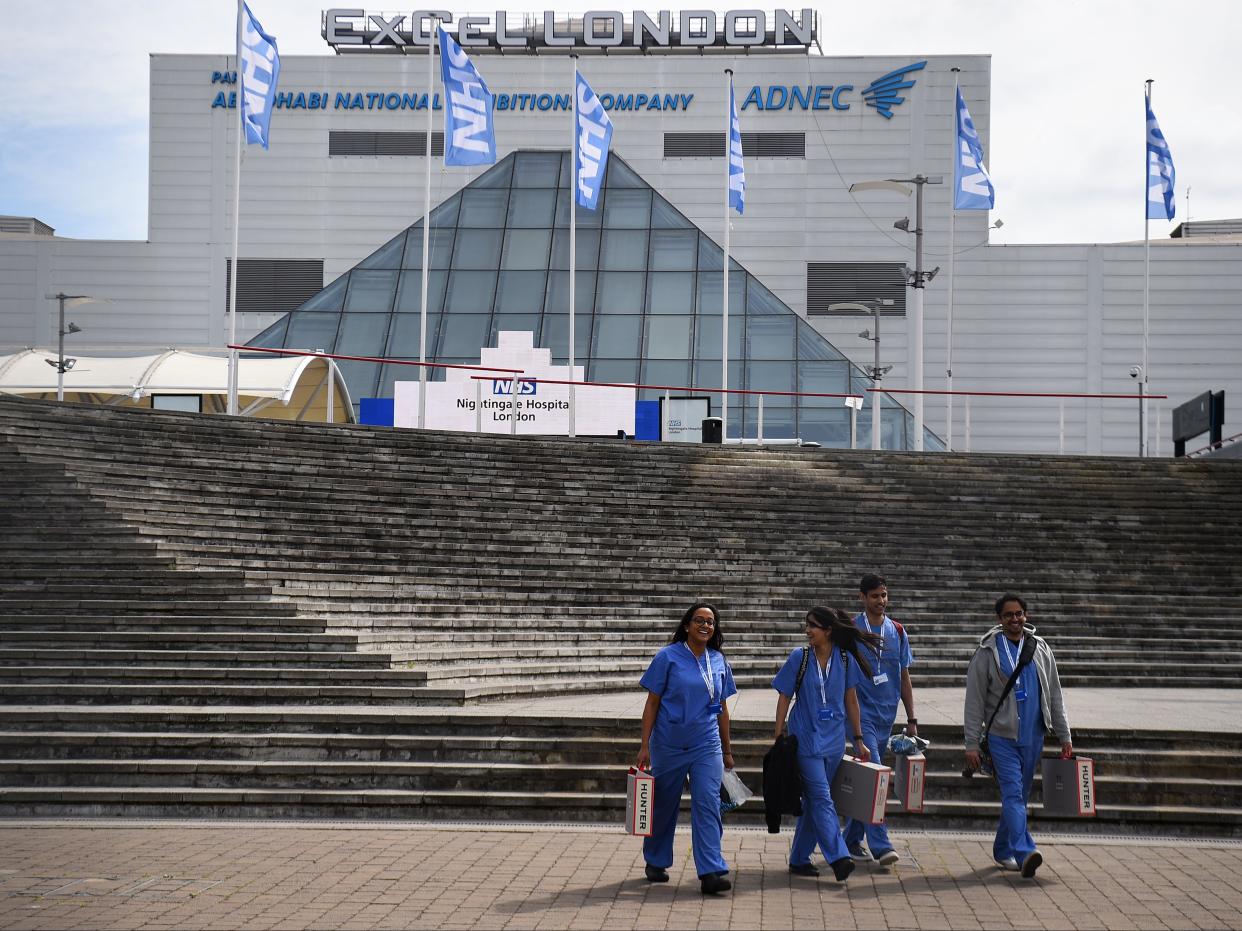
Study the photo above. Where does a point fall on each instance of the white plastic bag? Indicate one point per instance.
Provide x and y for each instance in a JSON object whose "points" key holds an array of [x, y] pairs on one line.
{"points": [[733, 791]]}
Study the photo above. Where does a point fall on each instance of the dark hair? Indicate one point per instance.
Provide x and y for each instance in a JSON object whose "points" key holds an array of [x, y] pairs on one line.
{"points": [[681, 634], [1008, 596], [845, 634], [870, 582]]}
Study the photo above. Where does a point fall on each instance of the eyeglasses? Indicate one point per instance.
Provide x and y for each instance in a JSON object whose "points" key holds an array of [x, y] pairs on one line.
{"points": [[1013, 615], [700, 622]]}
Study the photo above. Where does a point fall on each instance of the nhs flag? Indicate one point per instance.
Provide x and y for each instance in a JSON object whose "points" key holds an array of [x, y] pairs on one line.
{"points": [[469, 136], [259, 67], [972, 188], [737, 171], [1160, 174], [594, 137]]}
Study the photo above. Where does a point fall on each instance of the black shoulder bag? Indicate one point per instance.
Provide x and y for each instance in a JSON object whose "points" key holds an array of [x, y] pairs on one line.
{"points": [[1028, 653]]}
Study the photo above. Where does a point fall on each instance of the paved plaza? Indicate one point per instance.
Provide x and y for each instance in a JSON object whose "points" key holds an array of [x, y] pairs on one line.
{"points": [[82, 875]]}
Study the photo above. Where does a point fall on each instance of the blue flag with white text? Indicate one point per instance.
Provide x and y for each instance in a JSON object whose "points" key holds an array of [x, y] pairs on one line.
{"points": [[1160, 174], [972, 188], [258, 70], [469, 134], [594, 137], [737, 171]]}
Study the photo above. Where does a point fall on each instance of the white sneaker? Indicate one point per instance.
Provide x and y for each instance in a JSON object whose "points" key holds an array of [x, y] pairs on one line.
{"points": [[888, 858], [1008, 864]]}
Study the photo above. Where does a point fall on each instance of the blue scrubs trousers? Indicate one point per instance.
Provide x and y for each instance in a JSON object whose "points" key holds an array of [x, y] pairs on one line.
{"points": [[670, 766], [877, 834], [819, 823], [1014, 766]]}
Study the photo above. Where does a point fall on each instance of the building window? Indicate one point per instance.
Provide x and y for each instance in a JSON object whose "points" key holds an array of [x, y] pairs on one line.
{"points": [[698, 27]]}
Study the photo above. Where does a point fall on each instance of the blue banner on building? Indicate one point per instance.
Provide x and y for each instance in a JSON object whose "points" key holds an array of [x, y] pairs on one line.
{"points": [[594, 139], [469, 133], [259, 67], [972, 188]]}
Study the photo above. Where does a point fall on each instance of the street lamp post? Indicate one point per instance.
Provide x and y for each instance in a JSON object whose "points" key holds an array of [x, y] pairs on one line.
{"points": [[875, 372], [62, 364], [916, 279]]}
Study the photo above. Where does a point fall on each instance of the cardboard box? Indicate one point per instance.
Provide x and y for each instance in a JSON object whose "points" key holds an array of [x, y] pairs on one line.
{"points": [[860, 790], [1069, 787], [639, 802], [909, 774]]}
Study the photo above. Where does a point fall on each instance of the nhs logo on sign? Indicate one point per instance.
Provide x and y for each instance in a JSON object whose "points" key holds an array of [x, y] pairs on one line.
{"points": [[504, 386]]}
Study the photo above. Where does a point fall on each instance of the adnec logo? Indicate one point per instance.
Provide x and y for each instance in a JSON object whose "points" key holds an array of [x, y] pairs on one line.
{"points": [[882, 92]]}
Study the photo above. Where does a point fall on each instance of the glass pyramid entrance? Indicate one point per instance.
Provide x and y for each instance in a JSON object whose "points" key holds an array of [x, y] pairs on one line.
{"points": [[648, 296]]}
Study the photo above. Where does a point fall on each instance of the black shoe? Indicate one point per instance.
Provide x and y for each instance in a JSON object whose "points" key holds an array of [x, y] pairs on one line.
{"points": [[842, 868], [713, 883], [1033, 861], [656, 875], [803, 869]]}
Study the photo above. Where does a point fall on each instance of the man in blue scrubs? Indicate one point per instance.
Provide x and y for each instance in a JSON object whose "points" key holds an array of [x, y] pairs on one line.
{"points": [[1016, 738], [877, 700]]}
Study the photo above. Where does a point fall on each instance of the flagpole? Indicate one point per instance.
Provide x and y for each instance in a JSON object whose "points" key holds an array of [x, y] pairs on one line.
{"points": [[237, 161], [724, 326], [573, 236], [948, 364], [1146, 275], [432, 34]]}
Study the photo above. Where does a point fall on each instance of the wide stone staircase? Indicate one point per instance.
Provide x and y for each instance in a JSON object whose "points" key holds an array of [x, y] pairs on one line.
{"points": [[269, 580]]}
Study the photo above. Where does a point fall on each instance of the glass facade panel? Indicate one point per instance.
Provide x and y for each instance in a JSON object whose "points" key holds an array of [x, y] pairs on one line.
{"points": [[403, 336], [371, 291], [621, 175], [769, 337], [410, 292], [441, 247], [670, 293], [555, 336], [557, 300], [483, 208], [587, 249], [711, 258], [514, 323], [463, 335], [477, 249], [830, 427], [668, 337], [526, 249], [445, 215], [520, 292], [536, 169], [707, 338], [620, 292], [628, 210], [360, 378], [387, 256], [770, 376], [313, 331], [330, 298], [674, 250], [623, 249], [826, 378], [779, 423], [615, 371], [532, 208], [274, 336], [659, 372], [499, 175], [362, 334], [707, 375], [617, 337], [812, 346], [665, 216], [761, 301], [586, 219], [711, 305], [470, 293]]}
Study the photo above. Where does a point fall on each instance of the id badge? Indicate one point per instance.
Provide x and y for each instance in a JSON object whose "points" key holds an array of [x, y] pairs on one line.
{"points": [[1019, 694], [879, 679], [713, 708], [826, 714]]}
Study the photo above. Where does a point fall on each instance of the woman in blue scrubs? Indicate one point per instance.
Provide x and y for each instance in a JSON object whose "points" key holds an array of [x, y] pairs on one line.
{"points": [[826, 702], [686, 732]]}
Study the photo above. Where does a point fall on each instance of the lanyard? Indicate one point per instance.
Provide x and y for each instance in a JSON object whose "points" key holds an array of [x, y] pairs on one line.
{"points": [[879, 651], [709, 679], [823, 678], [1013, 659]]}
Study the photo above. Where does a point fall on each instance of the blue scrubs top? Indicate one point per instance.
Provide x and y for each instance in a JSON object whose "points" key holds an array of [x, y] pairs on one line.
{"points": [[676, 675], [878, 703], [816, 737], [1030, 711]]}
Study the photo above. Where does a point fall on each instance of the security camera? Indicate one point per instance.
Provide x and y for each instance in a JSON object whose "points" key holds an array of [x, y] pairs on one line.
{"points": [[1136, 371]]}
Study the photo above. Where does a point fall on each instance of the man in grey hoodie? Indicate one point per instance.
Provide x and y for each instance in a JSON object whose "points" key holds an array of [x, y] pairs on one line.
{"points": [[1015, 741]]}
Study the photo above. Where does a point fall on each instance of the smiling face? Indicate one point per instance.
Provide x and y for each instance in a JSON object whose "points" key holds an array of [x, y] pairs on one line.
{"points": [[701, 627], [875, 603], [1012, 619], [816, 636]]}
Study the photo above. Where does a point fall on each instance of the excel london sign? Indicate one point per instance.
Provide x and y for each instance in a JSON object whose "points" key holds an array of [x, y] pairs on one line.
{"points": [[355, 30]]}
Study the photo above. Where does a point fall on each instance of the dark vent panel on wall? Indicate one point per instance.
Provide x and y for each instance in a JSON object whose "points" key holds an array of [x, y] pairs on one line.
{"points": [[829, 283], [269, 286], [341, 142], [754, 145]]}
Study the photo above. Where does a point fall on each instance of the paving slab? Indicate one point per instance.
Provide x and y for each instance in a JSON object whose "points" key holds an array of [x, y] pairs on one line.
{"points": [[168, 874]]}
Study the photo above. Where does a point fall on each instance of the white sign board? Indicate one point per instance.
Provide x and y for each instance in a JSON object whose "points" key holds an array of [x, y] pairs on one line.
{"points": [[467, 403], [681, 419]]}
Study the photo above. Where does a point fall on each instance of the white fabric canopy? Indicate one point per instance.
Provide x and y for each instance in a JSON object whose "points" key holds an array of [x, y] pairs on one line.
{"points": [[170, 372]]}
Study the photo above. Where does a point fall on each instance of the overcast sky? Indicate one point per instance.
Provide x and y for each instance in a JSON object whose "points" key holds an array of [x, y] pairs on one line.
{"points": [[1066, 149]]}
